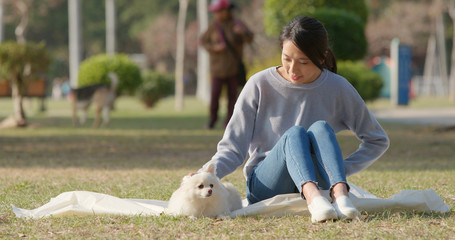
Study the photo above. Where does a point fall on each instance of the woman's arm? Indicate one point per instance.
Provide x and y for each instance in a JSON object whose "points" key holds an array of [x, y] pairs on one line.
{"points": [[374, 140], [233, 147]]}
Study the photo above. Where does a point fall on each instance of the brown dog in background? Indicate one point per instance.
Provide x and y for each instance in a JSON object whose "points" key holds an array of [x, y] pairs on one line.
{"points": [[102, 95]]}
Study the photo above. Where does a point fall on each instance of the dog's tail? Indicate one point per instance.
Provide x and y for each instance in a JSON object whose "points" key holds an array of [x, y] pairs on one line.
{"points": [[114, 81]]}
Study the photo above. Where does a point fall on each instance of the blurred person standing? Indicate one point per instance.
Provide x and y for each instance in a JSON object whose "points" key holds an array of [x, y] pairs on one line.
{"points": [[224, 40]]}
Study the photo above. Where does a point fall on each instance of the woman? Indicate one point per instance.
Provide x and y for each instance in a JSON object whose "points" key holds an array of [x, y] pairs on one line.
{"points": [[286, 118]]}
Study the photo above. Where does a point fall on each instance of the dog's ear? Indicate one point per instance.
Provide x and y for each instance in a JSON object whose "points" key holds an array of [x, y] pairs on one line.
{"points": [[210, 168], [185, 178]]}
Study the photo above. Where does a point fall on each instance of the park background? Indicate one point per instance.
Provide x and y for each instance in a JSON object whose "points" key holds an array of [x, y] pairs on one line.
{"points": [[144, 152]]}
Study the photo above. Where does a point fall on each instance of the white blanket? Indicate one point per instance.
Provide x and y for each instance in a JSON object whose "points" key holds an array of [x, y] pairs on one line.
{"points": [[88, 203]]}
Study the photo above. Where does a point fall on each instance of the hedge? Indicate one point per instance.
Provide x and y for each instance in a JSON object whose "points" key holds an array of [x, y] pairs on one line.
{"points": [[95, 70]]}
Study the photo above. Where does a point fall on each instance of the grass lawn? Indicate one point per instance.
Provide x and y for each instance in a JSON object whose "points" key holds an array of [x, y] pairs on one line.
{"points": [[144, 154]]}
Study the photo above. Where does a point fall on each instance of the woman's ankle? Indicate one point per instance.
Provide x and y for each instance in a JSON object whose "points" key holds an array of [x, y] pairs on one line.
{"points": [[338, 190], [310, 191]]}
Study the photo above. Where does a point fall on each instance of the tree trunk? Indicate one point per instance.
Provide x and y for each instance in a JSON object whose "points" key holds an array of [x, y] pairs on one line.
{"points": [[19, 115], [110, 27], [440, 33], [430, 88], [75, 43], [452, 63], [180, 55], [22, 9], [203, 83], [1, 22]]}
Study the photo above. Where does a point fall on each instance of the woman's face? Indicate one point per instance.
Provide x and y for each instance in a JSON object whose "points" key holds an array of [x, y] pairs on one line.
{"points": [[297, 67]]}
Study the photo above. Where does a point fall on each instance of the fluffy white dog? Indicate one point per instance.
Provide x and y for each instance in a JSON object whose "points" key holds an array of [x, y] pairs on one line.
{"points": [[203, 195]]}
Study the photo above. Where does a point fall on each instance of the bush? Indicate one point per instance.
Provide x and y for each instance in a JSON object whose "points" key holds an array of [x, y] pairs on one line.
{"points": [[154, 87], [20, 65], [278, 13], [367, 82], [357, 7], [15, 57], [346, 33], [95, 70]]}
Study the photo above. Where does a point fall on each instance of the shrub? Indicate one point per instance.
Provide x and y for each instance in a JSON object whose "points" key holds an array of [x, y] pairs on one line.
{"points": [[154, 87], [346, 33], [21, 64], [95, 70], [367, 82], [15, 57], [277, 13], [357, 7]]}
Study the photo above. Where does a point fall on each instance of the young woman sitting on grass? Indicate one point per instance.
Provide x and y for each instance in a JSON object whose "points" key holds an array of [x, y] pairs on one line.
{"points": [[286, 118]]}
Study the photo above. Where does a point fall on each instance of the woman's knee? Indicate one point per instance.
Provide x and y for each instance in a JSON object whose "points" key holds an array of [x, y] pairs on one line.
{"points": [[296, 131], [320, 126]]}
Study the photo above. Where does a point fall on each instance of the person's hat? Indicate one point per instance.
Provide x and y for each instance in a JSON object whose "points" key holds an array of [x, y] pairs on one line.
{"points": [[217, 5]]}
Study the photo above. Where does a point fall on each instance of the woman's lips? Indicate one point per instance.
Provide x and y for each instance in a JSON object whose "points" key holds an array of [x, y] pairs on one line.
{"points": [[295, 77]]}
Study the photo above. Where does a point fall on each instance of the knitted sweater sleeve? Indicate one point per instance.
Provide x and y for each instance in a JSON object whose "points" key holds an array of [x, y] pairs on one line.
{"points": [[358, 119], [233, 147]]}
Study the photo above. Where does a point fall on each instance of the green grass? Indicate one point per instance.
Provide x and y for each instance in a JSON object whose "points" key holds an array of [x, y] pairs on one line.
{"points": [[144, 154]]}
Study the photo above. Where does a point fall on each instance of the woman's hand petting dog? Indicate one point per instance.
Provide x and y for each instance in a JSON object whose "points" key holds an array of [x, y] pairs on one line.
{"points": [[203, 195]]}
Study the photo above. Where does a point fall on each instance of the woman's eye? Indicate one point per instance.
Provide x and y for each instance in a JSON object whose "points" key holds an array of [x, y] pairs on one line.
{"points": [[211, 185], [200, 186]]}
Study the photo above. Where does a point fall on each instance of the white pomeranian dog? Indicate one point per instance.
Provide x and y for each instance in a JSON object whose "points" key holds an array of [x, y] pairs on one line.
{"points": [[204, 195]]}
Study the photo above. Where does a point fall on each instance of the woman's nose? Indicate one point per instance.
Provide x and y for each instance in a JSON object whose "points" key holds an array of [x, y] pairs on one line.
{"points": [[292, 67]]}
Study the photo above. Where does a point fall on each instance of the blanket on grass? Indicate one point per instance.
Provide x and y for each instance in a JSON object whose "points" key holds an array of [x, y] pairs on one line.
{"points": [[89, 203]]}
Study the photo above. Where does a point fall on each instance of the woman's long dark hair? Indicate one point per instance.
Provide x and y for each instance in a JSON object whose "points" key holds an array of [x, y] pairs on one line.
{"points": [[310, 36]]}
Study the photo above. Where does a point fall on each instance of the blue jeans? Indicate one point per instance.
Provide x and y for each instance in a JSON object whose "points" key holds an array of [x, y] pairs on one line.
{"points": [[299, 157]]}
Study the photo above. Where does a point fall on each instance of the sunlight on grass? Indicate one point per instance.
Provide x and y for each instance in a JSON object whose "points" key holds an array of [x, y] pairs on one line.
{"points": [[144, 153]]}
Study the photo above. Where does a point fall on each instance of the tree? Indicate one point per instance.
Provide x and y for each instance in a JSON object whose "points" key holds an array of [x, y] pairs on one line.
{"points": [[345, 22], [357, 7], [407, 20], [21, 63], [346, 33], [96, 69], [451, 10], [277, 12], [180, 55]]}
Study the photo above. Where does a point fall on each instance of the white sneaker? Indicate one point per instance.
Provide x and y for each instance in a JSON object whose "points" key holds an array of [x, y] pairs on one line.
{"points": [[321, 210], [345, 209]]}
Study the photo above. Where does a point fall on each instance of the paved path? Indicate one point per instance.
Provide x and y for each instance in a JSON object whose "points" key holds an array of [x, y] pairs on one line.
{"points": [[433, 116]]}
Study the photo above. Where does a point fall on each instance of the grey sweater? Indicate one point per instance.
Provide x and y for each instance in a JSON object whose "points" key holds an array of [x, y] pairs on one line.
{"points": [[269, 105]]}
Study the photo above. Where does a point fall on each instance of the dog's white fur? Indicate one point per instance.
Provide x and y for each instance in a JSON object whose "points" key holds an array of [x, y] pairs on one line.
{"points": [[204, 195]]}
